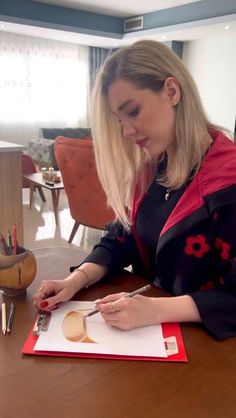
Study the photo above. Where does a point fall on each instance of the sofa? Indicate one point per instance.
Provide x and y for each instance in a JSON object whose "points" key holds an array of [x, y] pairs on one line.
{"points": [[41, 149]]}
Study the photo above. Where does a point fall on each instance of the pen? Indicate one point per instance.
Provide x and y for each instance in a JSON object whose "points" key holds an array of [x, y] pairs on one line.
{"points": [[10, 243], [4, 318], [4, 244], [10, 318], [14, 234], [129, 295], [2, 249]]}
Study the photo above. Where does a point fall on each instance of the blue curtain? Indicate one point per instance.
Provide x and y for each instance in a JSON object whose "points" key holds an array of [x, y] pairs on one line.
{"points": [[96, 58]]}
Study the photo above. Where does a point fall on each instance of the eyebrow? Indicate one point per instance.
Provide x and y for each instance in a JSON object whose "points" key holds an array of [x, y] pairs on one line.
{"points": [[121, 107]]}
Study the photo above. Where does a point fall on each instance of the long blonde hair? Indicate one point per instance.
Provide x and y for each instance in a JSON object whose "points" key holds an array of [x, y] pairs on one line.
{"points": [[120, 163]]}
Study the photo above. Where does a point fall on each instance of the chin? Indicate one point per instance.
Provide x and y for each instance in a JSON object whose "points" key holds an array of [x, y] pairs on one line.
{"points": [[153, 152]]}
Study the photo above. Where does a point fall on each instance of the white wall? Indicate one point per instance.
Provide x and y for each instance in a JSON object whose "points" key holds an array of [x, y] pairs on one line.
{"points": [[212, 63]]}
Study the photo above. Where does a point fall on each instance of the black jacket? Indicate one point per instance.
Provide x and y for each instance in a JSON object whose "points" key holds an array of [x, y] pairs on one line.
{"points": [[196, 251]]}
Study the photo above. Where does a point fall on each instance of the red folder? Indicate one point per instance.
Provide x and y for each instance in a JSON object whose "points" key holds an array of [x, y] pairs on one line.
{"points": [[168, 330]]}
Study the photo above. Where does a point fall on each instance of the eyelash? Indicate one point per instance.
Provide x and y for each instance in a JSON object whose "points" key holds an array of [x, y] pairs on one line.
{"points": [[134, 112]]}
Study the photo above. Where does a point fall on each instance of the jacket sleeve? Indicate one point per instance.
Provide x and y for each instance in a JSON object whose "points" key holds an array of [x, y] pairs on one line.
{"points": [[217, 306], [116, 250]]}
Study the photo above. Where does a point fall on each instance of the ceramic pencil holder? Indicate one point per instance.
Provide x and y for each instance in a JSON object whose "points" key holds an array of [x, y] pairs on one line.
{"points": [[17, 272]]}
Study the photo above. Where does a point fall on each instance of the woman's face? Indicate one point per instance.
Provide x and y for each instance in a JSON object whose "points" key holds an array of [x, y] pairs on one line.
{"points": [[147, 117]]}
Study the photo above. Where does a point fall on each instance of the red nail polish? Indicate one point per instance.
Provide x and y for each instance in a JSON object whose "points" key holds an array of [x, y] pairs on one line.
{"points": [[43, 304]]}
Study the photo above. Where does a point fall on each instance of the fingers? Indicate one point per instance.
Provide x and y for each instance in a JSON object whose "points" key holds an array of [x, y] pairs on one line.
{"points": [[49, 294], [110, 307], [116, 316], [124, 313], [110, 298], [46, 288], [43, 291], [112, 303]]}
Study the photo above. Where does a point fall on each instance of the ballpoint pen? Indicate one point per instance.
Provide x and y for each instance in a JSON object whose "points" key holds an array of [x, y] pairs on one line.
{"points": [[10, 318], [128, 295]]}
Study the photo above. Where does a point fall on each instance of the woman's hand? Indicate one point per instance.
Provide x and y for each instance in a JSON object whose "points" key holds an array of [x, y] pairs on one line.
{"points": [[126, 313], [52, 292]]}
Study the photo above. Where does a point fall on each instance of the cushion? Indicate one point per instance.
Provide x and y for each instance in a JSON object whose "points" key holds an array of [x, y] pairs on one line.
{"points": [[52, 133], [42, 150]]}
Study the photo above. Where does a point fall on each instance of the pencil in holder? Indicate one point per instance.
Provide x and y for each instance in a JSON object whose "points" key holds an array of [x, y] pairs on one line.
{"points": [[17, 272]]}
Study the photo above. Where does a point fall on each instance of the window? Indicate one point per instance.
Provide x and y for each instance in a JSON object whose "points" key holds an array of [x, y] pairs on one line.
{"points": [[42, 82]]}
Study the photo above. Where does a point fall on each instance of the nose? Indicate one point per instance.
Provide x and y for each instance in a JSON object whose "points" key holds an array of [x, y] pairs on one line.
{"points": [[129, 130]]}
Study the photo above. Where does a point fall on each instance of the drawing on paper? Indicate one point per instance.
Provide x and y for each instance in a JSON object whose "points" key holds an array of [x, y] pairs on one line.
{"points": [[70, 331], [74, 327]]}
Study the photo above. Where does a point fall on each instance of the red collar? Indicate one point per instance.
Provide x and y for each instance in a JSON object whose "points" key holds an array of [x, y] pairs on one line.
{"points": [[217, 172]]}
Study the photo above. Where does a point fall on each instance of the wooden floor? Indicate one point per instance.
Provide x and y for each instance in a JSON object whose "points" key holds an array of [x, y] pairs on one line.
{"points": [[40, 229]]}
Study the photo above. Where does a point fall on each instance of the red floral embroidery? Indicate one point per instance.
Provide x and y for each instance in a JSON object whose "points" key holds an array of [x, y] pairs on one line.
{"points": [[215, 216], [196, 246], [207, 286], [211, 284], [224, 248]]}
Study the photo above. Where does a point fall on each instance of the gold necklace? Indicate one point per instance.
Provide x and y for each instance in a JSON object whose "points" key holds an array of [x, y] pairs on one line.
{"points": [[168, 190]]}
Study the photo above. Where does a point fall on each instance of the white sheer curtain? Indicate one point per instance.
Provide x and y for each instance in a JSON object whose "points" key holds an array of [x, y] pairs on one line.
{"points": [[43, 83]]}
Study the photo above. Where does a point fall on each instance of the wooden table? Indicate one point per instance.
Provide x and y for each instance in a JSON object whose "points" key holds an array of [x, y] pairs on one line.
{"points": [[36, 179], [53, 387]]}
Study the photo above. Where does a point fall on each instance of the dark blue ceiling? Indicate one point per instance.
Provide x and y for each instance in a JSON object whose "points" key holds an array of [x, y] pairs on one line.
{"points": [[56, 17]]}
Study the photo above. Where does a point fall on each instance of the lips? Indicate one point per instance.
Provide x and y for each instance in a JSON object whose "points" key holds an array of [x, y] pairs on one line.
{"points": [[141, 142]]}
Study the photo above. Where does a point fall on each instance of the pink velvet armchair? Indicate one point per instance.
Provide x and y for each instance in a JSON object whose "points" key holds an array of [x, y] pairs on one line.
{"points": [[86, 198]]}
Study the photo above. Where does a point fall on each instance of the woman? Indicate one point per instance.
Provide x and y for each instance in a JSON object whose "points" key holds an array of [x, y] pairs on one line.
{"points": [[170, 176]]}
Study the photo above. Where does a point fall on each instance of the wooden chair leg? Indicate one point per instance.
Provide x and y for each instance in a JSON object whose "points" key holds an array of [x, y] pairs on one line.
{"points": [[42, 195], [73, 232], [32, 189]]}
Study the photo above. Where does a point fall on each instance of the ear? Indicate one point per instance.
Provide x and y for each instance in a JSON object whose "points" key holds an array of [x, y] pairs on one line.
{"points": [[172, 89]]}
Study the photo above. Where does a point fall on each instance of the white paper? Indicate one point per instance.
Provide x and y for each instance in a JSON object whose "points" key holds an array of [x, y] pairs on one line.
{"points": [[143, 341]]}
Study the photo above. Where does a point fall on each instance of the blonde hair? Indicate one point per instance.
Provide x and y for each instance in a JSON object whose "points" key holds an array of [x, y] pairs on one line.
{"points": [[121, 163]]}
